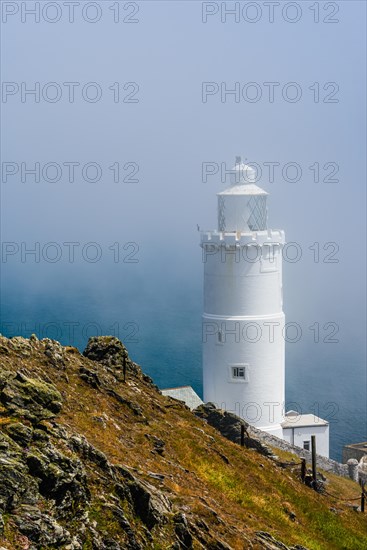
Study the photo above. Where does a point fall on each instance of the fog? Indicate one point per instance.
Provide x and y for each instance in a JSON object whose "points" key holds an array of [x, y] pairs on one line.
{"points": [[165, 136]]}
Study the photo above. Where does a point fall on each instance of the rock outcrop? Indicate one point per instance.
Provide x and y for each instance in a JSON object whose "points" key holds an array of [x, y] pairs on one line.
{"points": [[229, 425], [94, 457], [31, 398]]}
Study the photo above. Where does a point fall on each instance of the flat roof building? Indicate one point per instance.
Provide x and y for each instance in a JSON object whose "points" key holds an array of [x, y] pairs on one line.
{"points": [[298, 428]]}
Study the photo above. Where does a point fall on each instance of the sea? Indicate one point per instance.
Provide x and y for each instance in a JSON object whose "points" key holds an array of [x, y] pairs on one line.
{"points": [[161, 329]]}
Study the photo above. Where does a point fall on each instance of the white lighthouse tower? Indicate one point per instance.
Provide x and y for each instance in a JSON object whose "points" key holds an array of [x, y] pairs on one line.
{"points": [[243, 320], [243, 329]]}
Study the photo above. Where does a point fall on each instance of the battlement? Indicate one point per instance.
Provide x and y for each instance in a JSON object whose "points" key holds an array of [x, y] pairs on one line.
{"points": [[236, 238]]}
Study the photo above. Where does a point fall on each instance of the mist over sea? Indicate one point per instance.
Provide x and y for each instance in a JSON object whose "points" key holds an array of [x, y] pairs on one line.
{"points": [[161, 328], [170, 92]]}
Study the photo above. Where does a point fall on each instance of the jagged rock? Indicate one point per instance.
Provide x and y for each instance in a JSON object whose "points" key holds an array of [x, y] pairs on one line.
{"points": [[180, 518], [74, 545], [55, 352], [160, 477], [202, 525], [81, 445], [219, 545], [122, 491], [29, 397], [182, 531], [27, 475], [229, 425], [150, 504], [201, 533], [131, 404], [61, 478], [149, 380], [184, 536], [270, 543], [90, 377], [40, 435], [21, 345], [110, 544], [19, 432], [16, 485], [158, 444], [109, 351], [125, 472], [39, 527], [125, 525]]}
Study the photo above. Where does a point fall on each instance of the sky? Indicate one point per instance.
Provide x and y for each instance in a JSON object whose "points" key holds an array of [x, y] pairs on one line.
{"points": [[159, 89]]}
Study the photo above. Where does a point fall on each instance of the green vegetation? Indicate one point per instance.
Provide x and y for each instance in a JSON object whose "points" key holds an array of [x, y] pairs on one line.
{"points": [[235, 492]]}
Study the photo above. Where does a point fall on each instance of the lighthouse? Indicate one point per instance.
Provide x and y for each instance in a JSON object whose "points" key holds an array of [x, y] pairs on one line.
{"points": [[243, 325], [243, 319]]}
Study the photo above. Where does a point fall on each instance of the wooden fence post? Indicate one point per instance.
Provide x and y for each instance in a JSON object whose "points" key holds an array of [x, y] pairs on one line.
{"points": [[242, 435], [124, 366], [303, 469], [363, 498], [313, 446]]}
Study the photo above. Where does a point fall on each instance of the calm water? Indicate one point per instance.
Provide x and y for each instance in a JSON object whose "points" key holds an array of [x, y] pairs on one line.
{"points": [[162, 332]]}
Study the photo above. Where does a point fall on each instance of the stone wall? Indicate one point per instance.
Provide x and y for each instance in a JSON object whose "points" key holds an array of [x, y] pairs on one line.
{"points": [[354, 451]]}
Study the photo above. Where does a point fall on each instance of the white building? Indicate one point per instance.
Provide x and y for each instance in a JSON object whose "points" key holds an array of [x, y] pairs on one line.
{"points": [[243, 319], [298, 428]]}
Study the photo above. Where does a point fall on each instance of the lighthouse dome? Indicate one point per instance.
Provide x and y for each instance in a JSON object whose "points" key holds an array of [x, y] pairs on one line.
{"points": [[242, 173]]}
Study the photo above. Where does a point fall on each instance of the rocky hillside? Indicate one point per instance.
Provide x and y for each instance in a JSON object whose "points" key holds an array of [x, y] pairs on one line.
{"points": [[89, 460]]}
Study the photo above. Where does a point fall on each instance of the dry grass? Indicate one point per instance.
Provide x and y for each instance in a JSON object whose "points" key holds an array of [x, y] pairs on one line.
{"points": [[247, 494]]}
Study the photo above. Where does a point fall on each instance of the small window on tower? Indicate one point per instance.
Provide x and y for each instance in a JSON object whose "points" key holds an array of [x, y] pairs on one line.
{"points": [[306, 445], [238, 372]]}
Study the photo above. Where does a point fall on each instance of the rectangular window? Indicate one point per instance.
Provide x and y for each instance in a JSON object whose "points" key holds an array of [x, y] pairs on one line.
{"points": [[238, 372], [306, 445]]}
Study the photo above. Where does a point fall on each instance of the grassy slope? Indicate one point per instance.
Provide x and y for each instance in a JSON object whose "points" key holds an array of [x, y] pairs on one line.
{"points": [[235, 499]]}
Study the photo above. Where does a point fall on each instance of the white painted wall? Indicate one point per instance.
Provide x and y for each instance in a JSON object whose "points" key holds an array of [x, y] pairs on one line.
{"points": [[297, 436], [243, 325]]}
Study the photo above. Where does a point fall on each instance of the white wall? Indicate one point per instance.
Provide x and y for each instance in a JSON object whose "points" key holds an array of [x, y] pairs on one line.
{"points": [[243, 326], [297, 435]]}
